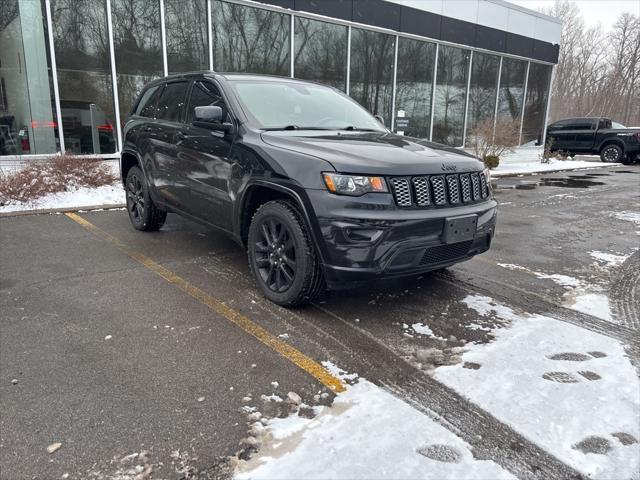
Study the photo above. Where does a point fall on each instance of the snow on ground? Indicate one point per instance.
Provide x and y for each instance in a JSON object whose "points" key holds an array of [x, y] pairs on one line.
{"points": [[79, 198], [628, 216], [567, 389], [367, 433], [526, 160], [609, 259], [581, 296]]}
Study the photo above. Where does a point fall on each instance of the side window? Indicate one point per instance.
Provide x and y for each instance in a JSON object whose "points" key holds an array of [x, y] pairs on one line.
{"points": [[604, 123], [204, 94], [147, 104], [171, 102]]}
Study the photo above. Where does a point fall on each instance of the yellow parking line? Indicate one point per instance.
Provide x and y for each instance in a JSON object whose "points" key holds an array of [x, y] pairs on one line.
{"points": [[310, 366]]}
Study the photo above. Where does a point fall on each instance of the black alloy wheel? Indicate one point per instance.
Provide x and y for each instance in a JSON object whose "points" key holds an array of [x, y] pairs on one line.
{"points": [[135, 199], [282, 255], [275, 255], [143, 213]]}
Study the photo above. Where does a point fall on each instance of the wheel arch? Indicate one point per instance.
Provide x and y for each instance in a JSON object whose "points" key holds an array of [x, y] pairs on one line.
{"points": [[128, 159], [611, 141], [260, 192]]}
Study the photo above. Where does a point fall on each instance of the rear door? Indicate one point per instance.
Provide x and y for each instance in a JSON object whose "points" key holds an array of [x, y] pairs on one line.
{"points": [[171, 180], [141, 131], [203, 156], [585, 134], [558, 135]]}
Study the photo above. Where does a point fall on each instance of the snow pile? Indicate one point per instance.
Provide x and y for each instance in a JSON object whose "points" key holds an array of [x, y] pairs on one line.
{"points": [[367, 433], [525, 160], [78, 198], [571, 391]]}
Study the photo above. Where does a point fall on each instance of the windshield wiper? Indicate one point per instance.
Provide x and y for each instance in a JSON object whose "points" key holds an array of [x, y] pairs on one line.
{"points": [[293, 127]]}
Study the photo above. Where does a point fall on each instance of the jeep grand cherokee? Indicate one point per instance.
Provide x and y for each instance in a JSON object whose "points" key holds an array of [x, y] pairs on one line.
{"points": [[316, 189]]}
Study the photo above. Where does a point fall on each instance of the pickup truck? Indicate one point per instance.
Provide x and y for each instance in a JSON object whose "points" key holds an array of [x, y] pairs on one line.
{"points": [[594, 136]]}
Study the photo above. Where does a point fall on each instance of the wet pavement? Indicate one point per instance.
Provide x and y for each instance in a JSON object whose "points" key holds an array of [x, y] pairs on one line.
{"points": [[111, 359]]}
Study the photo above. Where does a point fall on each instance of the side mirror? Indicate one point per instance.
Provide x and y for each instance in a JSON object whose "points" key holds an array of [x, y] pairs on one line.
{"points": [[210, 117]]}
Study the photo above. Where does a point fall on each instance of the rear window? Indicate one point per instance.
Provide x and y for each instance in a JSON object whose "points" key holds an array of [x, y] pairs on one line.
{"points": [[171, 102], [147, 104]]}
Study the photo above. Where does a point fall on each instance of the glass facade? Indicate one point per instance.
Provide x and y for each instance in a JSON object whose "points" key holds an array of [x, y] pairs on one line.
{"points": [[81, 43], [320, 52], [27, 104], [450, 95], [138, 48], [535, 105], [483, 89], [511, 97], [414, 87], [248, 39], [70, 70], [371, 83], [187, 35]]}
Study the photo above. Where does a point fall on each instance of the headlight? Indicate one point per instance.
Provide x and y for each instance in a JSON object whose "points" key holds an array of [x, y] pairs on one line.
{"points": [[353, 184]]}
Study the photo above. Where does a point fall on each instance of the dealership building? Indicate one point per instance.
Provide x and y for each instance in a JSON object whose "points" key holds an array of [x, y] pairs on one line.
{"points": [[435, 69]]}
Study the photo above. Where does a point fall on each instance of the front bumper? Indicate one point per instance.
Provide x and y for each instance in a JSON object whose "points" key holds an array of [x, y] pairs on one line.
{"points": [[369, 237]]}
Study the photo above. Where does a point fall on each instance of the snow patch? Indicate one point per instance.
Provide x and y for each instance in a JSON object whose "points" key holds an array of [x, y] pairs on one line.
{"points": [[78, 198], [366, 433], [596, 304], [610, 259], [520, 382]]}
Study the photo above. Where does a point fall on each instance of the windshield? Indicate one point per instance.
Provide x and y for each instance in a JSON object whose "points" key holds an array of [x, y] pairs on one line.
{"points": [[618, 126], [288, 105]]}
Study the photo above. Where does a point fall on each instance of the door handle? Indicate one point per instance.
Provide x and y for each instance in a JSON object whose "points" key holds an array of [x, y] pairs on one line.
{"points": [[180, 136]]}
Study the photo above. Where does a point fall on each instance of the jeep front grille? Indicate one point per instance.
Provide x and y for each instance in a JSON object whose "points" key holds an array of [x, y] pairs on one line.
{"points": [[439, 190], [445, 253]]}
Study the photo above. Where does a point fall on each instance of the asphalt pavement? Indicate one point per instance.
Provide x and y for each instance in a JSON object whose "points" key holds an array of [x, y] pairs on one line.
{"points": [[115, 342]]}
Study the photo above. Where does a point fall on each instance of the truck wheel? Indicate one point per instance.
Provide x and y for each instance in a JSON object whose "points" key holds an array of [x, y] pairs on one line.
{"points": [[143, 213], [611, 153], [281, 255]]}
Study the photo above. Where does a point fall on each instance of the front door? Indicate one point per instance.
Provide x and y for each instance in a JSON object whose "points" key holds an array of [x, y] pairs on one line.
{"points": [[203, 159]]}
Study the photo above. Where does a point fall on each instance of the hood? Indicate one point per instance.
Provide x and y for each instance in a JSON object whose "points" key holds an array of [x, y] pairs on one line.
{"points": [[375, 153]]}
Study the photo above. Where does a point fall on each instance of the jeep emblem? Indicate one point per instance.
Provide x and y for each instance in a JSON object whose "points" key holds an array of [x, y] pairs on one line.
{"points": [[449, 168]]}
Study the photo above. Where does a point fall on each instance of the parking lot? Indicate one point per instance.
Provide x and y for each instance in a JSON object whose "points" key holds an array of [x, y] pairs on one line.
{"points": [[115, 342]]}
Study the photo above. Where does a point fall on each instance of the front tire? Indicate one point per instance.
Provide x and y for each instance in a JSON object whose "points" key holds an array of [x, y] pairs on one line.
{"points": [[282, 257], [611, 153], [143, 213]]}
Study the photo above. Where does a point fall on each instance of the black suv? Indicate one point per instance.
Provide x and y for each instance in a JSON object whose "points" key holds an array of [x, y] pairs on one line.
{"points": [[316, 189]]}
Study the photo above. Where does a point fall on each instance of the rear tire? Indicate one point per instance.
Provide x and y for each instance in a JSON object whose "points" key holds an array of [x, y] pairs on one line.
{"points": [[611, 153], [282, 257], [143, 213]]}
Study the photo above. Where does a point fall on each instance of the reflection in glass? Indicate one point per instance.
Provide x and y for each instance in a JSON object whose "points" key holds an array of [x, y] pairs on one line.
{"points": [[451, 92], [247, 39], [321, 52], [414, 85], [27, 122], [186, 30], [84, 75], [536, 103], [511, 89], [483, 88], [372, 71], [138, 48]]}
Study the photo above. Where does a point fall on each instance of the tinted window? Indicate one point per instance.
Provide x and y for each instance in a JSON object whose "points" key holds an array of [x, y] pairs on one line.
{"points": [[171, 101], [147, 104], [203, 94], [186, 27]]}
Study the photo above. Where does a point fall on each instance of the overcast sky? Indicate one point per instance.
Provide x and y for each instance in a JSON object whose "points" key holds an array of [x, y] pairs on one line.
{"points": [[605, 12]]}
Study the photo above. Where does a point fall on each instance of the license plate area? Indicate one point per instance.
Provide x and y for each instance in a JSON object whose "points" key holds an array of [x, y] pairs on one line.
{"points": [[460, 229]]}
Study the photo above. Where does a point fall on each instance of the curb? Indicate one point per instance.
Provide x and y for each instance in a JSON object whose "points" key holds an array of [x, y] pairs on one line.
{"points": [[49, 211]]}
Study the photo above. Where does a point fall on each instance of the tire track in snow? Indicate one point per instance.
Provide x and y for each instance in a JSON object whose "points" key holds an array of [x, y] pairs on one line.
{"points": [[624, 293]]}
